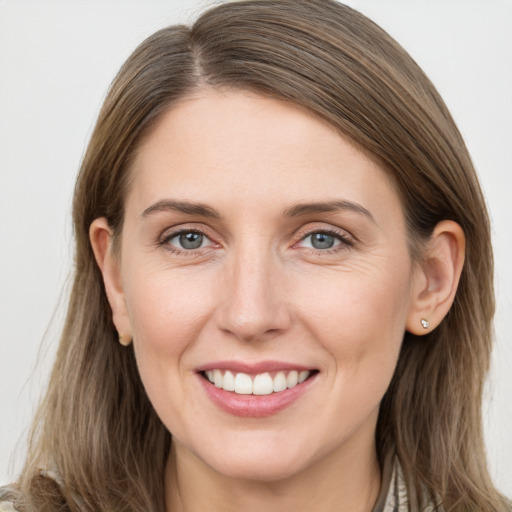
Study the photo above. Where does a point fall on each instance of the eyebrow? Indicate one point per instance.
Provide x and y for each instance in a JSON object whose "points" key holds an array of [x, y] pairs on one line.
{"points": [[297, 210], [327, 206], [187, 207]]}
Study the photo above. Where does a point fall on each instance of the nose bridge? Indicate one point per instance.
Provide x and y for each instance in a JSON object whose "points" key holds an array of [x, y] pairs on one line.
{"points": [[254, 306]]}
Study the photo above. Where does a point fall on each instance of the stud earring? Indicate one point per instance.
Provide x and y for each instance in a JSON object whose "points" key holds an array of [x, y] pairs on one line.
{"points": [[124, 340], [425, 323]]}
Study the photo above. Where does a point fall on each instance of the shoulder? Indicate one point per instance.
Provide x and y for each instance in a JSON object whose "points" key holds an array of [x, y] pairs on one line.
{"points": [[6, 495], [396, 496], [7, 506]]}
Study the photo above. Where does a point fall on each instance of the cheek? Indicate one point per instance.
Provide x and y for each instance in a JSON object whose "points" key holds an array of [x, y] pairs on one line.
{"points": [[358, 316], [166, 313], [166, 310], [360, 322]]}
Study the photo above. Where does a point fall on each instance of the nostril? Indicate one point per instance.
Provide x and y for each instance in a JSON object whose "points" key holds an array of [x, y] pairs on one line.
{"points": [[252, 307]]}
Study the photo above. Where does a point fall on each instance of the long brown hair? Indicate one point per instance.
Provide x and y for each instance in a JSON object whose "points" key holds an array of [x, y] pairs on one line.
{"points": [[96, 427]]}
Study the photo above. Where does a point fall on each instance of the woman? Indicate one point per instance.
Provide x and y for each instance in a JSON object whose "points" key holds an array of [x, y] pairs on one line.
{"points": [[283, 288]]}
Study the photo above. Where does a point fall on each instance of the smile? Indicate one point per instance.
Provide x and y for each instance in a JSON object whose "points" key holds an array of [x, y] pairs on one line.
{"points": [[255, 390], [259, 384]]}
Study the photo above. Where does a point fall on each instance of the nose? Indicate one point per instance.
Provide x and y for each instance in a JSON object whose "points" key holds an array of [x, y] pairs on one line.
{"points": [[254, 305]]}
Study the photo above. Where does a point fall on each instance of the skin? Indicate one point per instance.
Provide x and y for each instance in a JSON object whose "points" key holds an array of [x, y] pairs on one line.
{"points": [[257, 290]]}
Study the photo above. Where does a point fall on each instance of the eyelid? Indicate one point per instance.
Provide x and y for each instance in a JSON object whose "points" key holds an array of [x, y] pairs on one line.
{"points": [[172, 232], [318, 227], [178, 235], [345, 238]]}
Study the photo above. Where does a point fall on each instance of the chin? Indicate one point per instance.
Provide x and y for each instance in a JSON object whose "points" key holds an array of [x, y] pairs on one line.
{"points": [[269, 470], [259, 462]]}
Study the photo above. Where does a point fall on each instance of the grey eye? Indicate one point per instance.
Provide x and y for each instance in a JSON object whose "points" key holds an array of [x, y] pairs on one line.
{"points": [[191, 240], [322, 241]]}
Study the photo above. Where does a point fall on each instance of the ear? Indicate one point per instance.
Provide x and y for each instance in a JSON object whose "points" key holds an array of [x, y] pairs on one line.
{"points": [[100, 235], [436, 278]]}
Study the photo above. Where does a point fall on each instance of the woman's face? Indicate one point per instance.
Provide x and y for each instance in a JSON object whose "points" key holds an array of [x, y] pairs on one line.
{"points": [[259, 249]]}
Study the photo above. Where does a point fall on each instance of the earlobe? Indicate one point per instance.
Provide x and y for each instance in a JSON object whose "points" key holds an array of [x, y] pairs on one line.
{"points": [[437, 278], [100, 235]]}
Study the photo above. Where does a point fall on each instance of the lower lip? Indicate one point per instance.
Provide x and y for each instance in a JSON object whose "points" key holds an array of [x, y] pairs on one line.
{"points": [[254, 406]]}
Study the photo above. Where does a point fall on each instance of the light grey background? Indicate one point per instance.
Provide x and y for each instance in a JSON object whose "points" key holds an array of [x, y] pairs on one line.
{"points": [[57, 59]]}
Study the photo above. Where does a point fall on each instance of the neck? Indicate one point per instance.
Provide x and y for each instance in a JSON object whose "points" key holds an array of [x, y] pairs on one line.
{"points": [[338, 483]]}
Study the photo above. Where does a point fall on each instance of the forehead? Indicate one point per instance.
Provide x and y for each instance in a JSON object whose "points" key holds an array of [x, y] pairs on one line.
{"points": [[222, 145]]}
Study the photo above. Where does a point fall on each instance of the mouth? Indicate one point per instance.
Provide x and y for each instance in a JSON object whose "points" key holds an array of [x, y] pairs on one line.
{"points": [[255, 390], [260, 384]]}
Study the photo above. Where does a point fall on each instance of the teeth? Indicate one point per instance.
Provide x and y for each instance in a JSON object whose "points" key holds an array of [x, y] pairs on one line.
{"points": [[261, 384], [280, 382], [293, 379], [229, 382], [303, 376], [243, 384], [217, 378]]}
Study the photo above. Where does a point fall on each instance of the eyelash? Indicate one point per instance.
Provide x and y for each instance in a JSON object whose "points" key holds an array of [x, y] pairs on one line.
{"points": [[345, 240], [165, 241]]}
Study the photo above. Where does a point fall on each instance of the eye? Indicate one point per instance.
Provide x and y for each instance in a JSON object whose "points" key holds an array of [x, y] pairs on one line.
{"points": [[188, 240], [320, 240], [324, 240]]}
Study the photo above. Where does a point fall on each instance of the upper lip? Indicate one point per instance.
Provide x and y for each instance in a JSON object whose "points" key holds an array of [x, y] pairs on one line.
{"points": [[252, 368]]}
